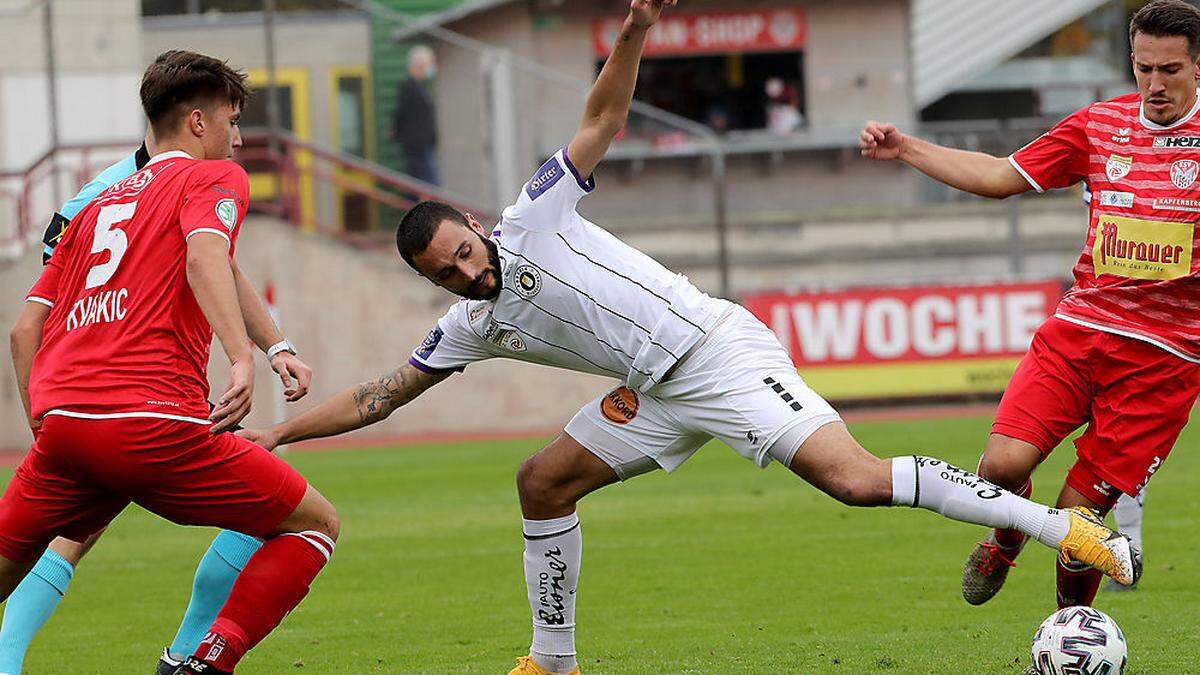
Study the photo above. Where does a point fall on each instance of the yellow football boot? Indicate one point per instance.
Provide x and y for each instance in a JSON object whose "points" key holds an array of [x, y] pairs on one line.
{"points": [[527, 666], [1093, 544]]}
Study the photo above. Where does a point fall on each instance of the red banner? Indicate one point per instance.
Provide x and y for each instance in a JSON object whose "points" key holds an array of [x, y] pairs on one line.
{"points": [[681, 34], [895, 325]]}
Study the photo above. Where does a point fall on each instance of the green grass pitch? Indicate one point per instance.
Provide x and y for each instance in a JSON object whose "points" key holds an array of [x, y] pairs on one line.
{"points": [[719, 568]]}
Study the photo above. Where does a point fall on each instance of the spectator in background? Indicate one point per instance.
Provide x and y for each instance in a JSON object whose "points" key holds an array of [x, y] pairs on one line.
{"points": [[415, 121], [783, 107]]}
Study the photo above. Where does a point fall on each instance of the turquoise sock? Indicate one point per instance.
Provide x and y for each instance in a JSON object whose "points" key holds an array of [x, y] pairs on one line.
{"points": [[215, 574], [30, 606]]}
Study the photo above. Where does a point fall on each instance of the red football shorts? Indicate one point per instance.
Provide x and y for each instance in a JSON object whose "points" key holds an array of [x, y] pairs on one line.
{"points": [[1135, 398], [80, 473]]}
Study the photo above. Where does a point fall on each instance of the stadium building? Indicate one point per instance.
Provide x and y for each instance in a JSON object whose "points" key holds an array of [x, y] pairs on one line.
{"points": [[739, 170]]}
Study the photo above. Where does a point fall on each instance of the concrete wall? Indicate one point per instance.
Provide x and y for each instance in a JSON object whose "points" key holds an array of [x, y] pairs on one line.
{"points": [[97, 46]]}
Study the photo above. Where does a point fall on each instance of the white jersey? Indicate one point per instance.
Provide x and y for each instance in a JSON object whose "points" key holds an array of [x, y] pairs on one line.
{"points": [[572, 295]]}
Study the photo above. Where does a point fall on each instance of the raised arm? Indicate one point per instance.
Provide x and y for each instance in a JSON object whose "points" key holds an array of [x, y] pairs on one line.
{"points": [[24, 340], [294, 373], [353, 408], [974, 172], [210, 275], [608, 103]]}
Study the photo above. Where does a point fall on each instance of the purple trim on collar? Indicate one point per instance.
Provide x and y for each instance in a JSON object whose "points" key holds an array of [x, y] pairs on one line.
{"points": [[412, 361], [586, 185]]}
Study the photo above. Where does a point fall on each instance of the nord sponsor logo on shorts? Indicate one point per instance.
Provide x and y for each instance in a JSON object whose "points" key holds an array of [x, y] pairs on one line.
{"points": [[620, 405], [1177, 141], [1142, 249], [1111, 198]]}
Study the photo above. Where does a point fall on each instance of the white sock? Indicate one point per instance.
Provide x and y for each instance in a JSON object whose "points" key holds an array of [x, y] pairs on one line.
{"points": [[1128, 514], [553, 549], [922, 482]]}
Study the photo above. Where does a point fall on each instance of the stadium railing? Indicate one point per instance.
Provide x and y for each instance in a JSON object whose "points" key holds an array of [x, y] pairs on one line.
{"points": [[291, 163], [28, 196]]}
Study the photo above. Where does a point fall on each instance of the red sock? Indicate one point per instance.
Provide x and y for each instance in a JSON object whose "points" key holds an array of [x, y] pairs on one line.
{"points": [[274, 581], [1011, 540], [1076, 586]]}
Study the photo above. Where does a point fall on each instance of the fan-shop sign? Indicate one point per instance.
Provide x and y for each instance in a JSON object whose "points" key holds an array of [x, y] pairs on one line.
{"points": [[890, 342], [683, 34]]}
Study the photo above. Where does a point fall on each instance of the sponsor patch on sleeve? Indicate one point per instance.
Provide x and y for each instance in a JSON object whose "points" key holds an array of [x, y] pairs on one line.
{"points": [[545, 178], [227, 213], [430, 343]]}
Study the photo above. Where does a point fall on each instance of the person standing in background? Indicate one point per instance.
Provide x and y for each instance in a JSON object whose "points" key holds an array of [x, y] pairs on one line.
{"points": [[415, 122]]}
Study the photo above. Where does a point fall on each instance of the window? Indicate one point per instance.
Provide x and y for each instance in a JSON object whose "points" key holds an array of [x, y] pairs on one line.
{"points": [[727, 92], [733, 70]]}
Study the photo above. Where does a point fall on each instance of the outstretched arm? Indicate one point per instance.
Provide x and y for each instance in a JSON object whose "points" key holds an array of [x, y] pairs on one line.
{"points": [[608, 103], [353, 408], [974, 172]]}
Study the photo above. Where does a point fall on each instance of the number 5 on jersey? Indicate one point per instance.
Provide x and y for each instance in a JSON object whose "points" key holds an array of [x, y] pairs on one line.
{"points": [[107, 237]]}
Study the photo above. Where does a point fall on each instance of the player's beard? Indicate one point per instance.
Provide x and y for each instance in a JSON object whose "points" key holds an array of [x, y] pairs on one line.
{"points": [[493, 267]]}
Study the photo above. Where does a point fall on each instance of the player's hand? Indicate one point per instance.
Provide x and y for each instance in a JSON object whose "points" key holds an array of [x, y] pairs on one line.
{"points": [[264, 437], [880, 141], [293, 373], [644, 13], [235, 402]]}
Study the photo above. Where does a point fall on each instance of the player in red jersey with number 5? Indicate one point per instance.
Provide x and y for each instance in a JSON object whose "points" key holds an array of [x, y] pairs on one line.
{"points": [[1122, 351], [137, 287]]}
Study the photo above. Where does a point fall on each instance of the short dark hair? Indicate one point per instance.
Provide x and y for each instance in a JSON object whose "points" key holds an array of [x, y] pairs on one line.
{"points": [[418, 225], [1168, 18], [179, 81]]}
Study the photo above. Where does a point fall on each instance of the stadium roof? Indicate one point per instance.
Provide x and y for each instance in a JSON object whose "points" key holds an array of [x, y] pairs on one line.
{"points": [[453, 11]]}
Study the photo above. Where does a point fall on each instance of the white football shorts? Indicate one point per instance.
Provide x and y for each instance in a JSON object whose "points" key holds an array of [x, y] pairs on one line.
{"points": [[737, 385]]}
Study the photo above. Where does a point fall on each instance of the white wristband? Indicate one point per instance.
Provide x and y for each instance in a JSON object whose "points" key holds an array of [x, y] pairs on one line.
{"points": [[281, 346]]}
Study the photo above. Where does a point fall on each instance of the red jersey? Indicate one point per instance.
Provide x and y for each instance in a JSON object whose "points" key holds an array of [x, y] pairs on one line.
{"points": [[125, 335], [1137, 275]]}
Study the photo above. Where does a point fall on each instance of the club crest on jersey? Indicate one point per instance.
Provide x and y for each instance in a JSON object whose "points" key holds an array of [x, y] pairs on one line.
{"points": [[528, 281], [545, 178], [227, 213], [1118, 167], [1183, 173]]}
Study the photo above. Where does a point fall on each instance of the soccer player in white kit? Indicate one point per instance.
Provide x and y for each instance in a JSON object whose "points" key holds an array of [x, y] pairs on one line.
{"points": [[545, 285]]}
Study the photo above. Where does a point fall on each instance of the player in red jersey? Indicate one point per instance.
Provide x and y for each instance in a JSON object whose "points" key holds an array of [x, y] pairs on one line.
{"points": [[1122, 351], [137, 287]]}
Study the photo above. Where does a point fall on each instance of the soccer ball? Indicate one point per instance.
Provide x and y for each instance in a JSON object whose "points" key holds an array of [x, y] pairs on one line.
{"points": [[1079, 641]]}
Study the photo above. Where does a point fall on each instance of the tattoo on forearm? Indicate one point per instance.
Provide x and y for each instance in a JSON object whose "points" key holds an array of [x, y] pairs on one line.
{"points": [[377, 398]]}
